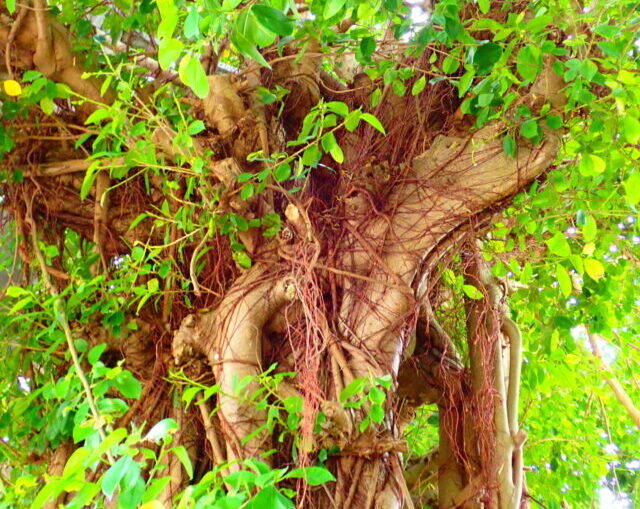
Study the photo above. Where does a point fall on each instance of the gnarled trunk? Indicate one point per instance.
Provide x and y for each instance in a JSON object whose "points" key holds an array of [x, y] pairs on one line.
{"points": [[347, 293]]}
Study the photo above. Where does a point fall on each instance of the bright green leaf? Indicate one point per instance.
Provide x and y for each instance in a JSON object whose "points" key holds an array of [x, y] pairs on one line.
{"points": [[472, 292], [332, 7], [591, 165], [558, 245], [590, 229], [632, 188], [373, 121], [315, 476], [631, 129], [564, 280], [594, 268], [183, 456], [169, 51], [193, 75], [418, 85]]}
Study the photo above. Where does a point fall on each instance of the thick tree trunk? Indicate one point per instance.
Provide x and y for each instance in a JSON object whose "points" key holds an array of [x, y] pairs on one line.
{"points": [[332, 306]]}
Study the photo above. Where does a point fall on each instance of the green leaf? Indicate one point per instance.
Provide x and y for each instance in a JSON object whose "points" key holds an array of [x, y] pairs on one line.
{"points": [[191, 29], [529, 128], [183, 456], [89, 179], [632, 188], [50, 491], [353, 388], [315, 476], [193, 75], [376, 413], [273, 19], [529, 62], [337, 154], [282, 172], [398, 88], [338, 107], [631, 129], [229, 5], [332, 7], [242, 259], [352, 120], [373, 122], [554, 121], [450, 64], [330, 145], [114, 475], [591, 165], [169, 15], [156, 487], [76, 462], [564, 280], [484, 5], [21, 304], [196, 127], [16, 291], [594, 268], [94, 354], [311, 155], [367, 47], [558, 245], [376, 95], [248, 25], [169, 51], [486, 56], [128, 386], [465, 82], [377, 396], [47, 105], [247, 48], [167, 8], [509, 146], [472, 292], [271, 498], [418, 85], [588, 69], [247, 191], [11, 6], [590, 229], [537, 24]]}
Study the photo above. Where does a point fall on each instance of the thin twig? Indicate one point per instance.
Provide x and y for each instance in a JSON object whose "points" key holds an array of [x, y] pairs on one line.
{"points": [[64, 323]]}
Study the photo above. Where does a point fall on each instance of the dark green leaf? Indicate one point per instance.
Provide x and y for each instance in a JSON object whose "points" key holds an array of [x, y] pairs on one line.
{"points": [[273, 19], [486, 56]]}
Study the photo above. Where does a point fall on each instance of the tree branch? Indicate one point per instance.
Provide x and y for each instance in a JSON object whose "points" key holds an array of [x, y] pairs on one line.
{"points": [[618, 390]]}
